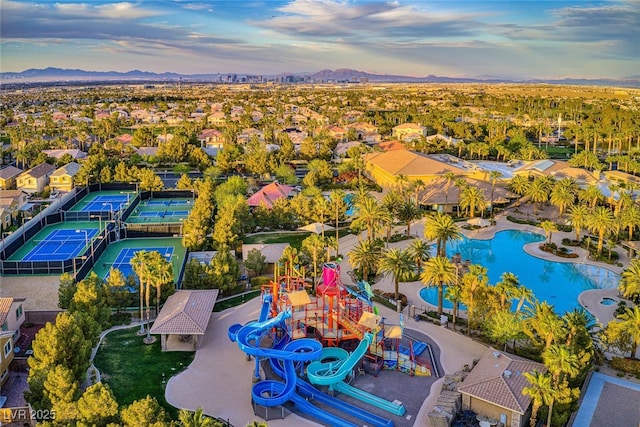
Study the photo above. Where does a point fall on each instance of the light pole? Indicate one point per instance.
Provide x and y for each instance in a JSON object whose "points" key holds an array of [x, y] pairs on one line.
{"points": [[86, 240], [100, 218], [110, 208]]}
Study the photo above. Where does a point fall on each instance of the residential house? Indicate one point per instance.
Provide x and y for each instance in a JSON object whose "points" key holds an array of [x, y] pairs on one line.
{"points": [[408, 132], [364, 130], [211, 138], [342, 147], [247, 134], [8, 212], [35, 179], [74, 153], [11, 316], [6, 357], [217, 118], [493, 388], [271, 251], [124, 139], [393, 145], [8, 177], [556, 169], [338, 133], [268, 194], [62, 178], [385, 167]]}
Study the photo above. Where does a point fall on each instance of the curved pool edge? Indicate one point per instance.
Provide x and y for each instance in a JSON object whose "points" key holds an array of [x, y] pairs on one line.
{"points": [[591, 300]]}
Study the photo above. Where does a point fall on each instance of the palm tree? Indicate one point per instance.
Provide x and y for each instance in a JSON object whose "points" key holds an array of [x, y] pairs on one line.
{"points": [[419, 251], [365, 256], [579, 321], [195, 419], [441, 228], [460, 184], [522, 294], [493, 176], [591, 194], [314, 246], [561, 361], [408, 211], [630, 219], [449, 177], [600, 221], [539, 390], [472, 198], [506, 288], [629, 325], [630, 282], [339, 207], [543, 326], [563, 195], [473, 282], [519, 184], [369, 215], [538, 191], [140, 265], [549, 227], [578, 215], [454, 295], [437, 272], [161, 273], [398, 263]]}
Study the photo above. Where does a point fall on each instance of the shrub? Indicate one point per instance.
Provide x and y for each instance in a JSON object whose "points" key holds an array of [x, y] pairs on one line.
{"points": [[259, 281], [631, 366]]}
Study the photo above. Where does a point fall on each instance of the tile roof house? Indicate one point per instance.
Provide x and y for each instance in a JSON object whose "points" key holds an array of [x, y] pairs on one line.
{"points": [[385, 167], [556, 169], [494, 388], [268, 194], [62, 178], [8, 177], [439, 194], [408, 131], [35, 179], [211, 138], [184, 318], [73, 152]]}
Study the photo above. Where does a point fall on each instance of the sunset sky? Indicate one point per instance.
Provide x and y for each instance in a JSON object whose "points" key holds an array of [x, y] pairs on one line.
{"points": [[507, 39]]}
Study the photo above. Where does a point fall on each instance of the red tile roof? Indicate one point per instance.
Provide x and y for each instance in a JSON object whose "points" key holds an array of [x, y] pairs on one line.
{"points": [[269, 194]]}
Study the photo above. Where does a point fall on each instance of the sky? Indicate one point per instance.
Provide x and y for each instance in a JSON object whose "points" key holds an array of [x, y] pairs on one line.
{"points": [[471, 38]]}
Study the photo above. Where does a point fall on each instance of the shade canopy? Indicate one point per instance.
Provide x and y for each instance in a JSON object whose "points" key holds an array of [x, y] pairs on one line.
{"points": [[316, 227]]}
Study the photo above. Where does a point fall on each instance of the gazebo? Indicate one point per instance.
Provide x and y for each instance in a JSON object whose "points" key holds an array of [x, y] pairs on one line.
{"points": [[184, 318]]}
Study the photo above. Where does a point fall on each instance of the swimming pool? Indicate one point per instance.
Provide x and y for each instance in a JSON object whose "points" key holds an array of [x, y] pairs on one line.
{"points": [[557, 283]]}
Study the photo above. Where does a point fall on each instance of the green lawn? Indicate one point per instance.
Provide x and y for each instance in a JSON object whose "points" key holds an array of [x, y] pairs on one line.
{"points": [[293, 238], [134, 370]]}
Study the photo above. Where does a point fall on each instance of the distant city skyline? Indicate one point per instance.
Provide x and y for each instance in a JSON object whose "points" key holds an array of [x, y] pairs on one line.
{"points": [[473, 38]]}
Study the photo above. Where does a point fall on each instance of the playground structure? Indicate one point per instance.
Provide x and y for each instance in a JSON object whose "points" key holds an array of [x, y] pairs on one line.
{"points": [[329, 338]]}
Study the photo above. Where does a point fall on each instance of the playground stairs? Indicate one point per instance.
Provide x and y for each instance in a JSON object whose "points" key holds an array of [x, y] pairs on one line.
{"points": [[270, 413]]}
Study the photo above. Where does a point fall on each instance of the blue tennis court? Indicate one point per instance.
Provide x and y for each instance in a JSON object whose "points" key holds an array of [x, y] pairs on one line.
{"points": [[60, 245], [167, 202], [162, 214], [123, 260], [104, 203]]}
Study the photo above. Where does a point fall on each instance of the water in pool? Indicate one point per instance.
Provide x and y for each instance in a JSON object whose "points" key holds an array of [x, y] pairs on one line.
{"points": [[557, 283]]}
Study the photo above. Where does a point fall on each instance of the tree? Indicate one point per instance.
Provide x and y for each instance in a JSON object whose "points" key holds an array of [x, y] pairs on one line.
{"points": [[195, 419], [141, 267], [419, 251], [97, 406], [225, 229], [365, 256], [506, 288], [538, 191], [630, 219], [543, 326], [91, 300], [184, 183], [563, 194], [438, 271], [503, 326], [474, 283], [145, 412], [600, 221], [441, 228], [591, 194], [115, 289], [472, 198], [549, 227], [454, 295], [314, 246], [61, 390], [255, 262], [149, 180], [630, 282], [520, 184], [396, 262], [624, 332], [493, 176], [407, 212], [369, 214], [161, 273], [578, 215], [338, 207], [539, 390], [449, 179], [66, 290]]}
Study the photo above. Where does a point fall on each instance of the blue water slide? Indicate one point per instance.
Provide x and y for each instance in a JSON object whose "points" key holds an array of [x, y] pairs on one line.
{"points": [[303, 406], [310, 393], [264, 311], [378, 402], [333, 366]]}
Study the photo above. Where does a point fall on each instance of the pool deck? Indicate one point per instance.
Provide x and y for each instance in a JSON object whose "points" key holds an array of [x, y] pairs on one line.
{"points": [[609, 401]]}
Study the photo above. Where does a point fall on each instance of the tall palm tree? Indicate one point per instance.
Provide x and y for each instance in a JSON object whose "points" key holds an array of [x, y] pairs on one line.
{"points": [[338, 208], [449, 179], [578, 215], [561, 361], [600, 221], [630, 282], [369, 215], [419, 251], [519, 184], [398, 263], [591, 194], [438, 271], [460, 184], [522, 294], [473, 282], [493, 176], [141, 268], [538, 191], [629, 323], [543, 326], [472, 198], [441, 228], [454, 295], [549, 227], [314, 246], [579, 321], [365, 256], [407, 212], [506, 288], [161, 273], [563, 194], [539, 390], [630, 219]]}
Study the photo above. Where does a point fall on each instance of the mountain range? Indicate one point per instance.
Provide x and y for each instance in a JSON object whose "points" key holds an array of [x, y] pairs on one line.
{"points": [[60, 75]]}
